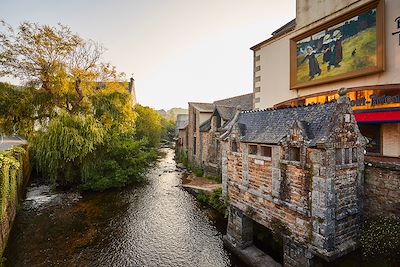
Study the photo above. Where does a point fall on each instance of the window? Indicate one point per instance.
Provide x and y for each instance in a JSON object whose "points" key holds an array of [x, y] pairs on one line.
{"points": [[338, 156], [373, 133], [347, 156], [194, 145], [294, 154], [266, 151], [258, 58], [258, 68], [354, 157], [257, 78], [257, 89], [234, 146], [253, 149]]}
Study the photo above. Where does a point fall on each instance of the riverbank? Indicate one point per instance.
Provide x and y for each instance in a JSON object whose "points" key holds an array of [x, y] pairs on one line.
{"points": [[15, 173]]}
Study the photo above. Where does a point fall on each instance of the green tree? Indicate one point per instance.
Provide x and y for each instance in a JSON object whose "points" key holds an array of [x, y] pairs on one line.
{"points": [[148, 125], [61, 72], [61, 148], [86, 132]]}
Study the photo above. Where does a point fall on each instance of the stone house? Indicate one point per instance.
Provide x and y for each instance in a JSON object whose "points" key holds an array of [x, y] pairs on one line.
{"points": [[181, 122], [201, 113], [210, 130], [182, 139], [198, 113], [299, 169]]}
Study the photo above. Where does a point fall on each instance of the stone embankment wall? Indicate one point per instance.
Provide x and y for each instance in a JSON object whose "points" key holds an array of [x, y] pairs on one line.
{"points": [[14, 174], [382, 188]]}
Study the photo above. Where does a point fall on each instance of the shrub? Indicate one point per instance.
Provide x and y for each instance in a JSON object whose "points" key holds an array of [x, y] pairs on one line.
{"points": [[214, 200], [217, 202], [198, 172], [202, 198], [380, 238], [117, 163]]}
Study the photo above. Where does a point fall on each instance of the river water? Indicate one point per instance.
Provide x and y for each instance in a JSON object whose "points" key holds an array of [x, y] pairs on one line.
{"points": [[156, 224]]}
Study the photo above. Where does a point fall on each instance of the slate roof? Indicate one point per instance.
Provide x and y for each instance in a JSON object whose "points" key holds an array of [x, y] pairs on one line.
{"points": [[181, 121], [245, 101], [226, 113], [7, 142], [288, 27], [205, 126], [271, 126], [285, 28], [203, 107]]}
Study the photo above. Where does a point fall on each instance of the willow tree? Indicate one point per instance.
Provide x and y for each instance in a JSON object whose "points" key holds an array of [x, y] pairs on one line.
{"points": [[65, 70], [80, 103]]}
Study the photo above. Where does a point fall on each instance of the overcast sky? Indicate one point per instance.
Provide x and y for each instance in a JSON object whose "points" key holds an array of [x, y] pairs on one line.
{"points": [[178, 50]]}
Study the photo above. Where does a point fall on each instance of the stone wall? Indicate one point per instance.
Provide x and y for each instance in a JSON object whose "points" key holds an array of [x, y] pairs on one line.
{"points": [[15, 171], [191, 132], [382, 188], [250, 190]]}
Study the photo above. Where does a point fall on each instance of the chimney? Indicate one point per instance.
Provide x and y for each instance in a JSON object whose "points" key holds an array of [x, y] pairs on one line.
{"points": [[131, 89]]}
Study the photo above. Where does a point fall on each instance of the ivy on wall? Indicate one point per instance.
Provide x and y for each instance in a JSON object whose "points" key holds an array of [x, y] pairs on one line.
{"points": [[11, 175]]}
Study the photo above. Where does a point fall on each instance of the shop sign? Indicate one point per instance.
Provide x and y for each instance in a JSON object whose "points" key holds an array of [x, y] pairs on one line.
{"points": [[375, 100]]}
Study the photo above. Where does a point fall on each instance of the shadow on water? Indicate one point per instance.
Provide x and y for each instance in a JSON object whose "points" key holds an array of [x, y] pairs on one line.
{"points": [[156, 224]]}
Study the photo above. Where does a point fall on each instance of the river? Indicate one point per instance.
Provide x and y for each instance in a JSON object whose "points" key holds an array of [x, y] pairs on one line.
{"points": [[155, 224]]}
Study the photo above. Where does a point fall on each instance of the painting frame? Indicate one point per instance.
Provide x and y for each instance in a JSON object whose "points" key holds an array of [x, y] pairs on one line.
{"points": [[380, 47]]}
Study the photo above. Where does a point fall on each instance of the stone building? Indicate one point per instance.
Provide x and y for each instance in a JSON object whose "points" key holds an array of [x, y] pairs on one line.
{"points": [[181, 122], [203, 147], [198, 113], [211, 129], [182, 139], [299, 169]]}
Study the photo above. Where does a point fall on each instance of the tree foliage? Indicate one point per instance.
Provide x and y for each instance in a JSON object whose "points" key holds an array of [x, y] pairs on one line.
{"points": [[148, 125], [118, 162], [61, 72], [74, 109], [64, 145]]}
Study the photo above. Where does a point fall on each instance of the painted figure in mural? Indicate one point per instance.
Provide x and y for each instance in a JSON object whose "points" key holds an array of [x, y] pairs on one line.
{"points": [[336, 55], [325, 48], [313, 66]]}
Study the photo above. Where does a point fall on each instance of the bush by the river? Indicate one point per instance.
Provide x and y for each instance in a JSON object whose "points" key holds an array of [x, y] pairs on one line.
{"points": [[214, 200], [79, 150], [380, 239]]}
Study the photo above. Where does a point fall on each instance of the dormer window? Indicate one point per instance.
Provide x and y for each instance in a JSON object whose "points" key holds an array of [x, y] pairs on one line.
{"points": [[294, 154]]}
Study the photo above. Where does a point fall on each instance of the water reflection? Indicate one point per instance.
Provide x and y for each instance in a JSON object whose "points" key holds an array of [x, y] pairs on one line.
{"points": [[158, 224]]}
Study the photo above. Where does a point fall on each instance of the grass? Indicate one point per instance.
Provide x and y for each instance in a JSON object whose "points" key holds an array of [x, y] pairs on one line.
{"points": [[364, 42]]}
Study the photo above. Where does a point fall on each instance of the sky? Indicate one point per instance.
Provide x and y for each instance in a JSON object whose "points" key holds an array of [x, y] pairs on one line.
{"points": [[178, 51]]}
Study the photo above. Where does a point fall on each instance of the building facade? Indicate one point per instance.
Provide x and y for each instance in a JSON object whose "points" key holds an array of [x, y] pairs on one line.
{"points": [[299, 172], [308, 44], [206, 123]]}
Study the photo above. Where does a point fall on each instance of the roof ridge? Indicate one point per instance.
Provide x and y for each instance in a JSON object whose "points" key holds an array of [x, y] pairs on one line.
{"points": [[232, 97], [291, 107]]}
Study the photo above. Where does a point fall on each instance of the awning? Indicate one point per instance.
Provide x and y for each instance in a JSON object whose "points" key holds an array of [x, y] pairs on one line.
{"points": [[378, 116]]}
